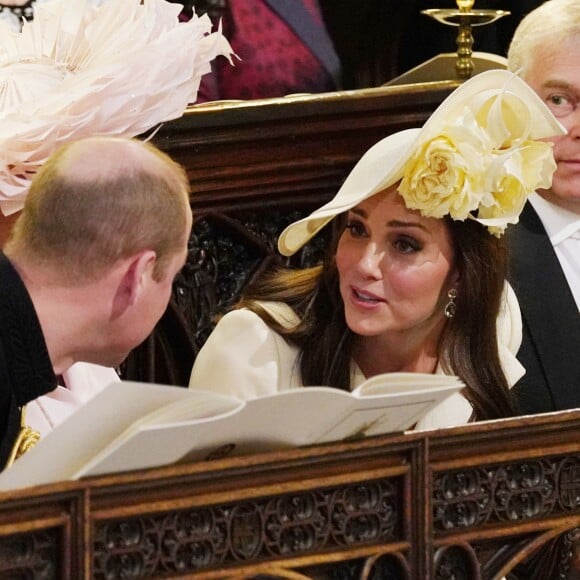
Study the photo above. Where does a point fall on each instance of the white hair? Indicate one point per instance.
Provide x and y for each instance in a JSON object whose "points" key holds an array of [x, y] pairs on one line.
{"points": [[553, 22]]}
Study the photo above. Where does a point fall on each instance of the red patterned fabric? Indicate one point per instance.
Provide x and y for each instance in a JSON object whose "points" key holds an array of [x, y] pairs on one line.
{"points": [[274, 60]]}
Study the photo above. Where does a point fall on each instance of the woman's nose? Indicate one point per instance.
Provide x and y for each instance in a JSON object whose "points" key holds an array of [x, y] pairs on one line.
{"points": [[370, 261]]}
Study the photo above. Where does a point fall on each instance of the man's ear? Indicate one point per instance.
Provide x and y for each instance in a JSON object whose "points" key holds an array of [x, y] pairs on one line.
{"points": [[135, 274]]}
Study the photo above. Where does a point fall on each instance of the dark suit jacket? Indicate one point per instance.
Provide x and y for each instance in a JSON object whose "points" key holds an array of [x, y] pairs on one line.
{"points": [[550, 350], [25, 368]]}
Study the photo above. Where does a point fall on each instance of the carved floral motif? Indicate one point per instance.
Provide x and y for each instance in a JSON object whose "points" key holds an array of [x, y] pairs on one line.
{"points": [[298, 523], [31, 555], [510, 492]]}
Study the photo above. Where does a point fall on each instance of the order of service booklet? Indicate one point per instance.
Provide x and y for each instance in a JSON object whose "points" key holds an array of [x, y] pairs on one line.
{"points": [[130, 425]]}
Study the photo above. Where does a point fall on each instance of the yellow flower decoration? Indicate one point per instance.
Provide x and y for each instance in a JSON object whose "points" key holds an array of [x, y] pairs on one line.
{"points": [[482, 166]]}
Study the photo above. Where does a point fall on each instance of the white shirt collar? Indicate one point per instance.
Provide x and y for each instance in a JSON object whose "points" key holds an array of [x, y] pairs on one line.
{"points": [[560, 223]]}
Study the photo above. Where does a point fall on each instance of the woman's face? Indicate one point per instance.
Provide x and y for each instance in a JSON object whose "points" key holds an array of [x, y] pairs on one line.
{"points": [[395, 268]]}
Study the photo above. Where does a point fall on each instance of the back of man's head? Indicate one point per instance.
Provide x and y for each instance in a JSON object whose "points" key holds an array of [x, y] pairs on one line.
{"points": [[97, 201], [554, 21]]}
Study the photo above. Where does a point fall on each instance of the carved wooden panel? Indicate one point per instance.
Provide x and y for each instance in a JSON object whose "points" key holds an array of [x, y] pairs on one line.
{"points": [[511, 492], [222, 535], [458, 562], [225, 254], [517, 510], [35, 554], [42, 536], [379, 508]]}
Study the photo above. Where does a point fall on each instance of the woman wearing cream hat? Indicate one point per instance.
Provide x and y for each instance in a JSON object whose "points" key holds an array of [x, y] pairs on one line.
{"points": [[414, 279]]}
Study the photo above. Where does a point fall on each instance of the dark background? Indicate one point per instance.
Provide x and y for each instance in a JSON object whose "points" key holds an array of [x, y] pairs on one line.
{"points": [[380, 39]]}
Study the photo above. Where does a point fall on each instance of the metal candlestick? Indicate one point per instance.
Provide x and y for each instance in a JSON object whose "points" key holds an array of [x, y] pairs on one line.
{"points": [[465, 17]]}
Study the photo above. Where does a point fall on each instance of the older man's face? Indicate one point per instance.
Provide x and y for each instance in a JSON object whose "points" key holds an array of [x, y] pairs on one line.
{"points": [[555, 76]]}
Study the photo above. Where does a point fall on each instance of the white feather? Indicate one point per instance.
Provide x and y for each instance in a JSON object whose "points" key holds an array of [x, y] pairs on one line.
{"points": [[119, 67]]}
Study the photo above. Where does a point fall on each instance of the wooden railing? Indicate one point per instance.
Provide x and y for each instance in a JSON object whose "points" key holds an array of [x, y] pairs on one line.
{"points": [[469, 503]]}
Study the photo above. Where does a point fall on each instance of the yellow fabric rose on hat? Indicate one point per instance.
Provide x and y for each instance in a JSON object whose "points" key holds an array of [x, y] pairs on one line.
{"points": [[481, 166], [445, 175], [512, 177], [504, 118]]}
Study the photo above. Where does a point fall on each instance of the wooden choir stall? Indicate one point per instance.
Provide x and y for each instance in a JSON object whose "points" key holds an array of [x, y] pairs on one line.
{"points": [[483, 501]]}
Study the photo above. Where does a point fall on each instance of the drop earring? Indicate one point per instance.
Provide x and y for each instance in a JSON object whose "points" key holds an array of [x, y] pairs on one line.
{"points": [[451, 307]]}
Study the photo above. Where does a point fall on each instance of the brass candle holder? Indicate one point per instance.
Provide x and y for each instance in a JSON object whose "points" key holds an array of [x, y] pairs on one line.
{"points": [[465, 17]]}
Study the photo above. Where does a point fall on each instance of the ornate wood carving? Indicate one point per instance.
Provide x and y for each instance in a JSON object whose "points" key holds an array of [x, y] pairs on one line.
{"points": [[35, 554], [364, 510], [516, 491], [225, 254], [456, 563], [390, 566], [233, 533]]}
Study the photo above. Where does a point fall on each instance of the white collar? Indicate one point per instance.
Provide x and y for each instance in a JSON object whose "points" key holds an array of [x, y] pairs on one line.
{"points": [[560, 223]]}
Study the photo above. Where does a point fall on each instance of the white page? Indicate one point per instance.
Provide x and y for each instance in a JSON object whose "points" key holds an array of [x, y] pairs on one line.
{"points": [[286, 419], [136, 425], [393, 383], [65, 450], [291, 418], [406, 397]]}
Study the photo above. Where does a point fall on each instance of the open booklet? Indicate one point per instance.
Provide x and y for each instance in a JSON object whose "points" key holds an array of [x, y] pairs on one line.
{"points": [[130, 425]]}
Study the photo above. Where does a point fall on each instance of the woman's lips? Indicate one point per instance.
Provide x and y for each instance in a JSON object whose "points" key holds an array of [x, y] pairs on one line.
{"points": [[365, 299]]}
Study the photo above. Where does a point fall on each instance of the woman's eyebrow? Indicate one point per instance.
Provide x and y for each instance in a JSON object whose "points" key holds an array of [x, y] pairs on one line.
{"points": [[404, 224], [358, 211], [391, 223]]}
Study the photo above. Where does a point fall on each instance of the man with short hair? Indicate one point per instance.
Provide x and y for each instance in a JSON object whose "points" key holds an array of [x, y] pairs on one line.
{"points": [[88, 269], [545, 245]]}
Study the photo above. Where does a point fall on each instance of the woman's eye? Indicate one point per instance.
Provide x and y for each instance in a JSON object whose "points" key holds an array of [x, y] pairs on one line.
{"points": [[357, 230], [407, 245]]}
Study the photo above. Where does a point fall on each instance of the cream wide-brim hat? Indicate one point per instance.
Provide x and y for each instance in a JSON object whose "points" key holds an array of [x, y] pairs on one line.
{"points": [[384, 163]]}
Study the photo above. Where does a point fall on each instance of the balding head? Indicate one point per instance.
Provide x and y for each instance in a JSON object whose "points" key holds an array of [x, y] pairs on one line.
{"points": [[94, 158], [99, 200]]}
